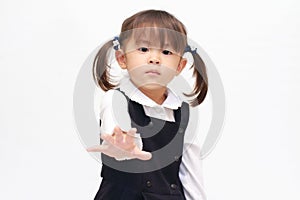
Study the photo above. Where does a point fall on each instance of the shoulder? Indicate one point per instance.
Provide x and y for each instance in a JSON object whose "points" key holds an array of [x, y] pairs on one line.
{"points": [[111, 98], [185, 107]]}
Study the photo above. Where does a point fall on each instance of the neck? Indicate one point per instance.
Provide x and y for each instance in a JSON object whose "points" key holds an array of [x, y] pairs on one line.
{"points": [[158, 95]]}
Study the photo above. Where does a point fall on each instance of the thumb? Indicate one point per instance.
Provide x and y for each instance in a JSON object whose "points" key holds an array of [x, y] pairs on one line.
{"points": [[96, 148]]}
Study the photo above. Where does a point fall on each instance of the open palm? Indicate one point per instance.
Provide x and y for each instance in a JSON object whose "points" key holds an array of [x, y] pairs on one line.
{"points": [[121, 145]]}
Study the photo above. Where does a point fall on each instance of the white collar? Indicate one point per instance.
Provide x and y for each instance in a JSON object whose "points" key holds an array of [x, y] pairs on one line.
{"points": [[172, 101]]}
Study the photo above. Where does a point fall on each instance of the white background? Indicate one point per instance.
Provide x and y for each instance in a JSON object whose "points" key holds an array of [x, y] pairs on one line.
{"points": [[254, 44]]}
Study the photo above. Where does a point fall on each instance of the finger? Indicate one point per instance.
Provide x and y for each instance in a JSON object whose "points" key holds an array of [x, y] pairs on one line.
{"points": [[96, 148], [131, 135], [108, 138], [117, 130], [132, 132], [142, 155], [119, 135], [120, 138], [124, 138]]}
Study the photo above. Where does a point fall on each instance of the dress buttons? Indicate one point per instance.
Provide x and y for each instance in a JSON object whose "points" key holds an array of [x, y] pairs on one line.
{"points": [[173, 186], [180, 130], [148, 183]]}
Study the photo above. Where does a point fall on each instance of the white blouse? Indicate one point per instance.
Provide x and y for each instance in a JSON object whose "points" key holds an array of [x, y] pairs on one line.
{"points": [[113, 112]]}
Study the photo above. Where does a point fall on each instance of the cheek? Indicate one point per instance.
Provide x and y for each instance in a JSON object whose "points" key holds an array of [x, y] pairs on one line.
{"points": [[136, 60], [172, 59], [173, 63]]}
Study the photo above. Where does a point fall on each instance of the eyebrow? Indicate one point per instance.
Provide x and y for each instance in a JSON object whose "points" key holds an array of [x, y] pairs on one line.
{"points": [[142, 42], [166, 45]]}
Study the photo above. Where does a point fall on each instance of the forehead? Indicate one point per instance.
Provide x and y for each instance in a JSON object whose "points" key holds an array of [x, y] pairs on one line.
{"points": [[155, 34], [157, 37]]}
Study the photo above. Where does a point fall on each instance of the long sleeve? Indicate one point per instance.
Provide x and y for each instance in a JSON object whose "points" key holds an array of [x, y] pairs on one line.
{"points": [[190, 171], [113, 112]]}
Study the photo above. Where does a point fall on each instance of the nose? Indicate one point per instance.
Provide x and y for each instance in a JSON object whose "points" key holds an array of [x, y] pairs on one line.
{"points": [[154, 59]]}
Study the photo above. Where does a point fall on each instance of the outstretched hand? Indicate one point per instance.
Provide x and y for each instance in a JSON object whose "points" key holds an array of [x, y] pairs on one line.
{"points": [[121, 144]]}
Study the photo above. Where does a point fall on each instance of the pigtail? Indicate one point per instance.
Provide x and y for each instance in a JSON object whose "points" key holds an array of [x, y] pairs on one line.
{"points": [[101, 67], [201, 83]]}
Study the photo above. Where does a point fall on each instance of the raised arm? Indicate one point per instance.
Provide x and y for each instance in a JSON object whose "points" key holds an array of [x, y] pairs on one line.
{"points": [[120, 140]]}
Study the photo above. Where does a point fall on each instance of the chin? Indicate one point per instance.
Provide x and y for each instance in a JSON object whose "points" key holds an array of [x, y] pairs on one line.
{"points": [[152, 86]]}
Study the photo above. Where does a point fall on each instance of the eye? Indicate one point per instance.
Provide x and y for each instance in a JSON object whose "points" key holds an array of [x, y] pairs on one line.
{"points": [[143, 49], [167, 52]]}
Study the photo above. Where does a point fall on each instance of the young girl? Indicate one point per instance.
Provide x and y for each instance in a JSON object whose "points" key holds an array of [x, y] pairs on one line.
{"points": [[143, 122]]}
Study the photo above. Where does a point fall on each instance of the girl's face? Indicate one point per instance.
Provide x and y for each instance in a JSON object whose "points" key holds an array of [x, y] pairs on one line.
{"points": [[150, 65]]}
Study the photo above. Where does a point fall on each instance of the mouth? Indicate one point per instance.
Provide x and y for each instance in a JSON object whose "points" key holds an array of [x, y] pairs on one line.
{"points": [[153, 72]]}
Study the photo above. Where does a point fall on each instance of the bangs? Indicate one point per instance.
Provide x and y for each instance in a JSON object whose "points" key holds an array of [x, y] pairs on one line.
{"points": [[157, 28], [159, 38], [154, 37], [153, 18]]}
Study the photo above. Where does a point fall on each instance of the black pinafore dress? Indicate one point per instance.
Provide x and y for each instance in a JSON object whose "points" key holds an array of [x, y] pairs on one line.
{"points": [[158, 178]]}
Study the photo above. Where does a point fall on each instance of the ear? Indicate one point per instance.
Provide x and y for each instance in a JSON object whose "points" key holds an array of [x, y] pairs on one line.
{"points": [[181, 65], [121, 59]]}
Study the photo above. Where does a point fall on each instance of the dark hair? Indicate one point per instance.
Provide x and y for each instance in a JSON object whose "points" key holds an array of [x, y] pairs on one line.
{"points": [[159, 19]]}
